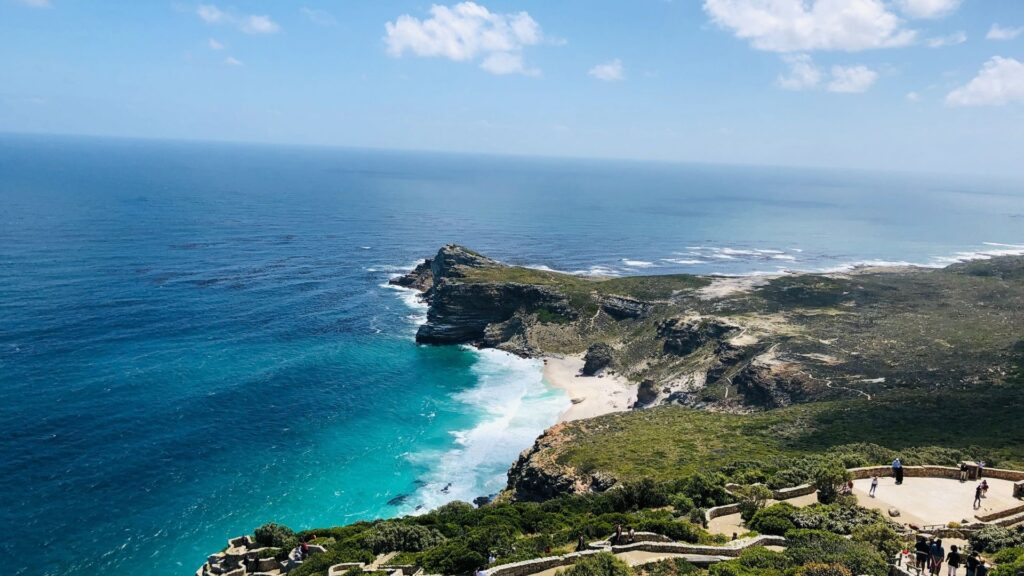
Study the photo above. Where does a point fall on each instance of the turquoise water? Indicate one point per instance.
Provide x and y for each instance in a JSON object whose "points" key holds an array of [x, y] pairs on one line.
{"points": [[196, 338]]}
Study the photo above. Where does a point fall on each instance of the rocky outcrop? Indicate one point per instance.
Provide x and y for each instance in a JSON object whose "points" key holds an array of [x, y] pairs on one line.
{"points": [[535, 477], [461, 312], [598, 357], [684, 336], [646, 394], [768, 383], [624, 307], [476, 312], [420, 278]]}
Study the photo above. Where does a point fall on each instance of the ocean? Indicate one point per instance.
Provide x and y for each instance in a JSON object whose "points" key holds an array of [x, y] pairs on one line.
{"points": [[198, 338]]}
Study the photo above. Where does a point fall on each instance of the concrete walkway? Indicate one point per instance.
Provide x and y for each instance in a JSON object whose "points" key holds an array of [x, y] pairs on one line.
{"points": [[931, 501]]}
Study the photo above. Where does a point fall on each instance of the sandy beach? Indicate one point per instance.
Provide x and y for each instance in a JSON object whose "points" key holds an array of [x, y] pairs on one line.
{"points": [[591, 395]]}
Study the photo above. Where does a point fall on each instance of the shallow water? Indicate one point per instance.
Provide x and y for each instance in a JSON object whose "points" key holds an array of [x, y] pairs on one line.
{"points": [[195, 339]]}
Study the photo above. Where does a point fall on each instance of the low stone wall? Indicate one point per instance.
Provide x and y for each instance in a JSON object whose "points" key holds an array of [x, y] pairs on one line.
{"points": [[718, 511], [1018, 489], [527, 567], [794, 492], [339, 569], [1000, 514], [950, 472], [731, 550]]}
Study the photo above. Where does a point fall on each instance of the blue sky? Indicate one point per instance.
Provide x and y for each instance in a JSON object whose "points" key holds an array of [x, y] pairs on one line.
{"points": [[922, 85]]}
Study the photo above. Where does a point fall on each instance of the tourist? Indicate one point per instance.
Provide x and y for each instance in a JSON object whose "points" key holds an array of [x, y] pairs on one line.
{"points": [[491, 558], [953, 560], [874, 486], [972, 564], [632, 535], [982, 569], [984, 488], [617, 539], [304, 550], [897, 470], [479, 571], [981, 468], [977, 497], [581, 545], [938, 555], [922, 553], [963, 472]]}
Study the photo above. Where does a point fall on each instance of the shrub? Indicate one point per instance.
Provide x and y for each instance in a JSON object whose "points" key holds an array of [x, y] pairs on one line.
{"points": [[828, 477], [697, 516], [763, 558], [637, 495], [275, 535], [674, 529], [752, 499], [776, 519], [880, 535], [1008, 555], [821, 569], [1009, 562], [995, 538], [452, 557], [807, 546], [834, 517], [681, 503], [396, 537], [603, 564], [669, 567], [706, 490]]}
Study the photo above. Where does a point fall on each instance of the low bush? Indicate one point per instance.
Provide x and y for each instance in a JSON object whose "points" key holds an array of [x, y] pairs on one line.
{"points": [[776, 519], [603, 564]]}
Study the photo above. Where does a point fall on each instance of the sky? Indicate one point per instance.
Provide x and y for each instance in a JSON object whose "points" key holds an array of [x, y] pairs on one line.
{"points": [[909, 85]]}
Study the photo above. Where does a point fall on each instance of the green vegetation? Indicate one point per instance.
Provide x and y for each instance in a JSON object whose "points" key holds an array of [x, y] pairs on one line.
{"points": [[782, 447], [603, 564]]}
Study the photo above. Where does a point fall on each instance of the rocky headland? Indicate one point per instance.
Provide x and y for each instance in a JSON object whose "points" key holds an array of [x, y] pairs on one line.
{"points": [[739, 346]]}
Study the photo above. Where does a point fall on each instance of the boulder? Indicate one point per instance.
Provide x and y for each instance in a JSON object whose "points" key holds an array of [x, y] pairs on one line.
{"points": [[598, 357], [624, 307], [684, 336], [646, 393]]}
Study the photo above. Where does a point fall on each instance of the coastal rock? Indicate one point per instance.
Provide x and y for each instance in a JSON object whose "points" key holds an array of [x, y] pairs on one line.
{"points": [[684, 336], [598, 357], [420, 278], [624, 307], [769, 383], [509, 335], [646, 393], [459, 313]]}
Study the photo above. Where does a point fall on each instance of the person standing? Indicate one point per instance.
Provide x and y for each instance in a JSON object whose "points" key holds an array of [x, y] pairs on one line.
{"points": [[963, 472], [977, 497], [972, 564], [874, 486], [953, 560], [921, 554], [938, 554], [897, 470]]}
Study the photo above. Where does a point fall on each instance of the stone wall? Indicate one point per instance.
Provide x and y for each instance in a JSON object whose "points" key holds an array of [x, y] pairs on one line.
{"points": [[908, 471], [1000, 514], [794, 492], [527, 567], [731, 550]]}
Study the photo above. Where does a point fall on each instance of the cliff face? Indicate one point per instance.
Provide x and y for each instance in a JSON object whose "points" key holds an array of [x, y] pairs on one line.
{"points": [[481, 313]]}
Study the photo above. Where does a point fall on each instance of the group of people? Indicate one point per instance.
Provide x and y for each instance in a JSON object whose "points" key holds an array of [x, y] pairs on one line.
{"points": [[621, 537], [980, 491], [930, 554]]}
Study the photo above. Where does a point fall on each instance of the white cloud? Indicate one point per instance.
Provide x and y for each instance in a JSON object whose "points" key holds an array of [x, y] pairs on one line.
{"points": [[803, 74], [464, 32], [1000, 81], [318, 17], [36, 3], [250, 24], [951, 40], [851, 79], [259, 24], [913, 97], [215, 45], [610, 71], [807, 25], [928, 8], [997, 32], [232, 61], [502, 63]]}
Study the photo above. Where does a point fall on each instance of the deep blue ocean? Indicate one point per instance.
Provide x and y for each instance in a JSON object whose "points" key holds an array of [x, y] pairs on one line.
{"points": [[197, 338]]}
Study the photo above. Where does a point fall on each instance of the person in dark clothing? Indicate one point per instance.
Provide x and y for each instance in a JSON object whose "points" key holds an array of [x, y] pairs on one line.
{"points": [[977, 497], [963, 472], [897, 470], [938, 555], [618, 534], [581, 545], [953, 560], [972, 564], [921, 553]]}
